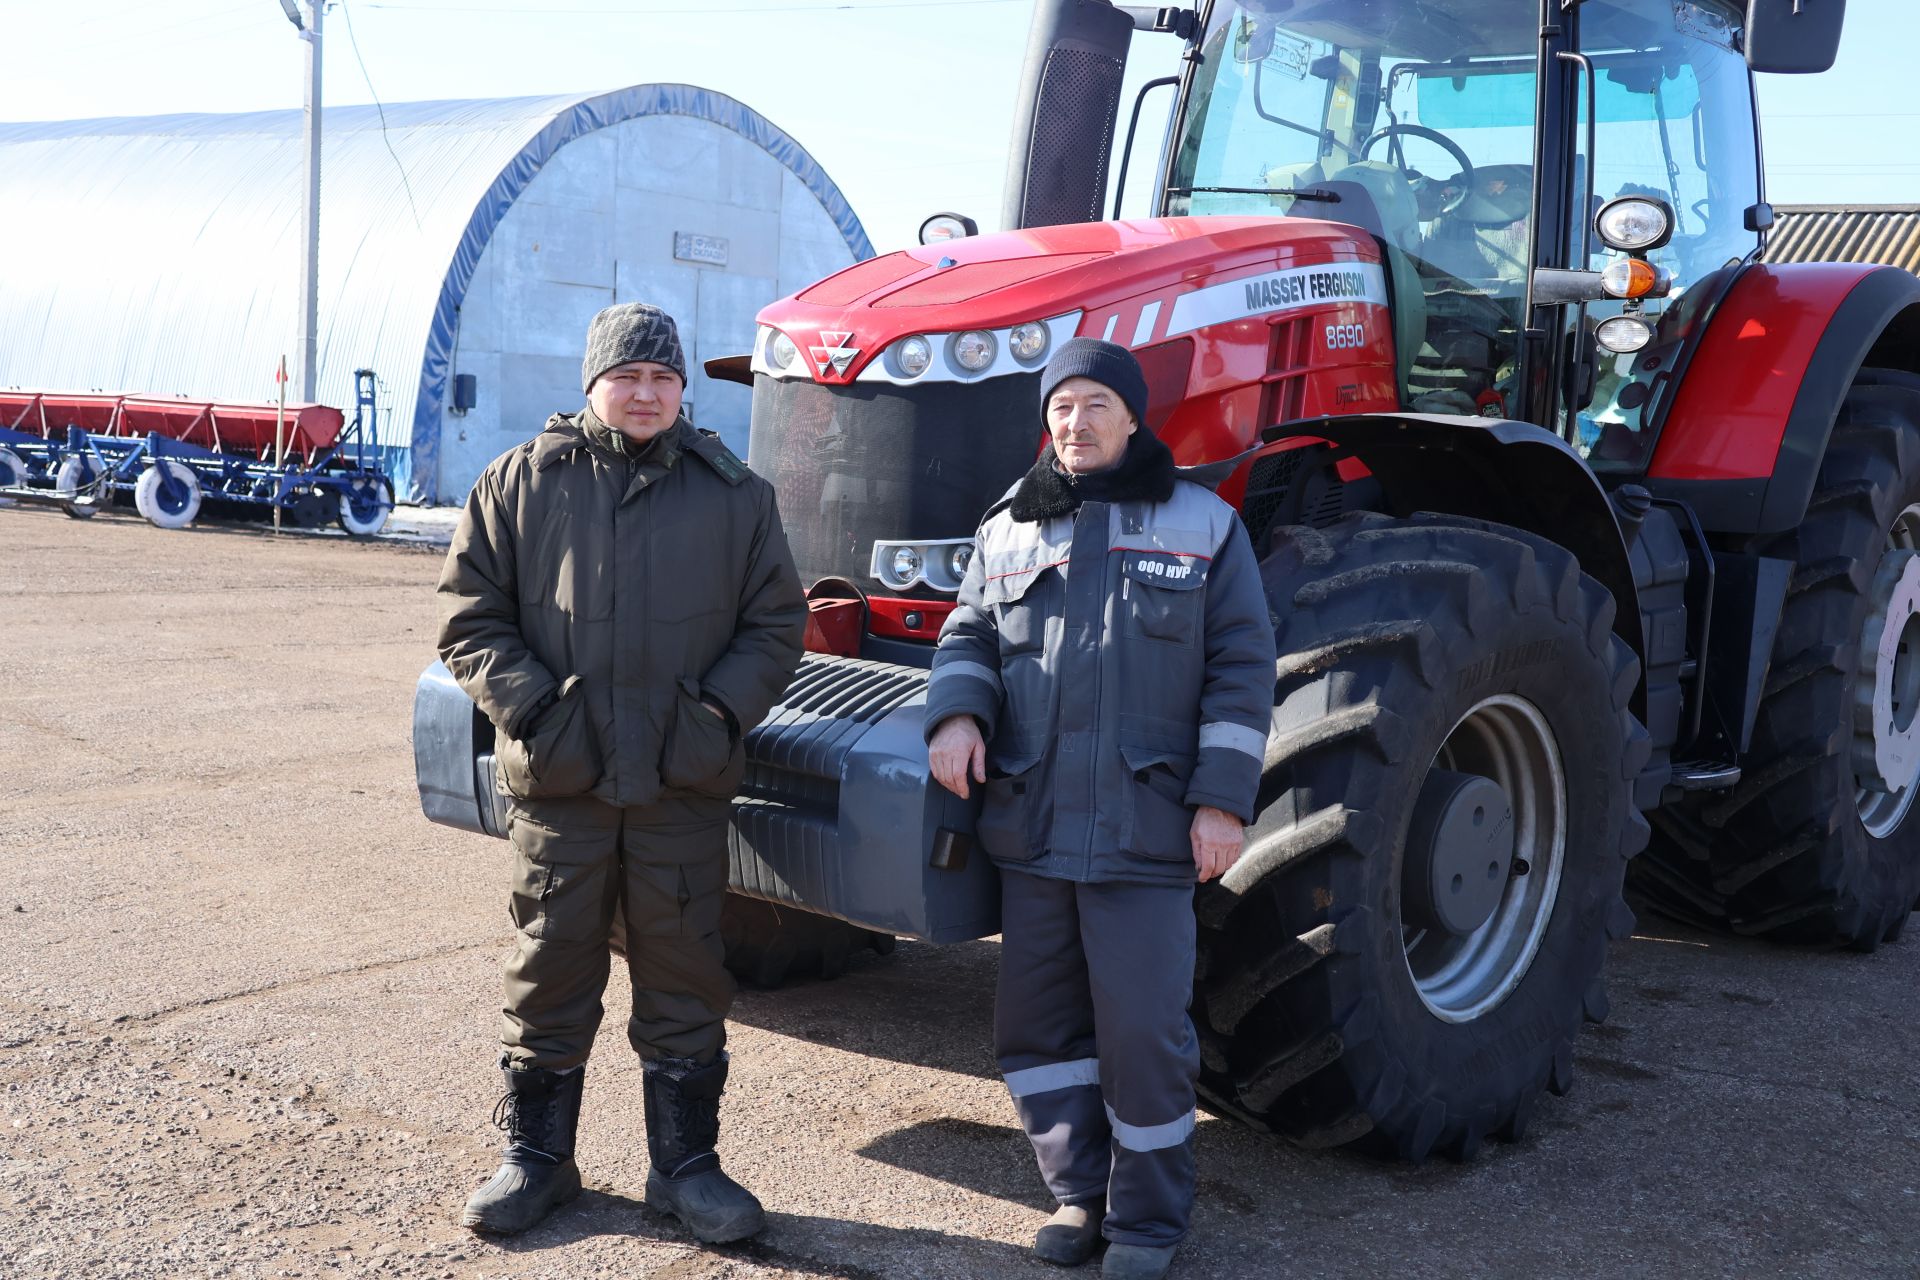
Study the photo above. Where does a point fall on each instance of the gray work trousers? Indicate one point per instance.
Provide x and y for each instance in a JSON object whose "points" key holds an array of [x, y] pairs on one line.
{"points": [[1092, 1033], [576, 862]]}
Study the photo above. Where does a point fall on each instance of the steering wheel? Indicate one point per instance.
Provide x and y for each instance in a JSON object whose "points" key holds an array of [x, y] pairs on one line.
{"points": [[1461, 185]]}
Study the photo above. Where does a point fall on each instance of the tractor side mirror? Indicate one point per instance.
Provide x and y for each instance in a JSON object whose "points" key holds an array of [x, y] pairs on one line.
{"points": [[1794, 37], [942, 227]]}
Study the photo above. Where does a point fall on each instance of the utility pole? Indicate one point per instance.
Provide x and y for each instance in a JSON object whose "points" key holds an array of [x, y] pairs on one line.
{"points": [[310, 240]]}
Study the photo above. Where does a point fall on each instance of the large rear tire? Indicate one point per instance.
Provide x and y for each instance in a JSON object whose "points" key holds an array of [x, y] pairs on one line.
{"points": [[1818, 845], [1415, 654]]}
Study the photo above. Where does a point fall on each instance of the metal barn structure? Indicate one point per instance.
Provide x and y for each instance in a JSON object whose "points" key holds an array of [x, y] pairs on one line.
{"points": [[160, 255]]}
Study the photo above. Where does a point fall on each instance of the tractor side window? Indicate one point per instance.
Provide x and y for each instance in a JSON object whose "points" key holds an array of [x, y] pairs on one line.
{"points": [[1674, 121]]}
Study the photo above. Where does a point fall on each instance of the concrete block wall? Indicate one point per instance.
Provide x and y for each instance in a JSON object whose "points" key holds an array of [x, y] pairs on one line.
{"points": [[596, 226]]}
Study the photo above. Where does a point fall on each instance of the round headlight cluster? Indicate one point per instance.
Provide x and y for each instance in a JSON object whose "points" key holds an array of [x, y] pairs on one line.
{"points": [[913, 355], [781, 353], [974, 350], [959, 558], [1029, 341], [1633, 224]]}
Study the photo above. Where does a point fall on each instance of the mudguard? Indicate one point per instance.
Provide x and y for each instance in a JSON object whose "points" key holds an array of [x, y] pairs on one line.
{"points": [[1494, 469], [1745, 433]]}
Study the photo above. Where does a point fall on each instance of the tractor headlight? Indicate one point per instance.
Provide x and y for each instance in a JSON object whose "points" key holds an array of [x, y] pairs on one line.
{"points": [[1624, 334], [1029, 341], [974, 350], [1634, 224], [913, 355], [902, 567], [781, 353], [940, 564]]}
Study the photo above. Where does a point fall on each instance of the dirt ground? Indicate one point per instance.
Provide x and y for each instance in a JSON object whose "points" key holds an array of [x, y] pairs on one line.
{"points": [[248, 1011]]}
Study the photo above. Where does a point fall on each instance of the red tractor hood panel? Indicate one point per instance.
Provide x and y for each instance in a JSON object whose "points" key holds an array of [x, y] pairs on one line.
{"points": [[993, 281]]}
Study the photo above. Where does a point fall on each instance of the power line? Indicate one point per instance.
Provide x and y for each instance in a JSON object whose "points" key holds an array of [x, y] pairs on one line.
{"points": [[405, 185]]}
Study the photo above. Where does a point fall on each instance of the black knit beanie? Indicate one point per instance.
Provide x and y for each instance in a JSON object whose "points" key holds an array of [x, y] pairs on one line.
{"points": [[1107, 363], [629, 331]]}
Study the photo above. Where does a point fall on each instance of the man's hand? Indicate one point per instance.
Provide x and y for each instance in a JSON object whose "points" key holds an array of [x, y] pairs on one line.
{"points": [[1217, 838], [957, 751]]}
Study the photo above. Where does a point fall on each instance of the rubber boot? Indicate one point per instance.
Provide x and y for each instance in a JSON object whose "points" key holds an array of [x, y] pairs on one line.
{"points": [[1137, 1261], [683, 1125], [539, 1112], [1071, 1234]]}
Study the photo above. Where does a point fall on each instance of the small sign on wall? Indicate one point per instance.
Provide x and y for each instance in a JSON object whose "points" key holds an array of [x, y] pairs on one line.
{"points": [[707, 250]]}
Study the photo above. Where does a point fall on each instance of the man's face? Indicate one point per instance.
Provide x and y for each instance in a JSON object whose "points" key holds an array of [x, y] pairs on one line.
{"points": [[1089, 423], [638, 399]]}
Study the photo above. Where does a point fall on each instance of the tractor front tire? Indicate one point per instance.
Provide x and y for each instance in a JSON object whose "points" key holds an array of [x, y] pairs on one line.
{"points": [[1804, 850], [1420, 658]]}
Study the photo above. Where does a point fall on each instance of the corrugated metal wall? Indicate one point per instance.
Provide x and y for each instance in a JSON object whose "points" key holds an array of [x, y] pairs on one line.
{"points": [[160, 255], [1884, 234]]}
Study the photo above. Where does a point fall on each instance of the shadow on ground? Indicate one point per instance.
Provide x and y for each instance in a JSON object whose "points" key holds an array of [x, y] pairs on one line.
{"points": [[790, 1242]]}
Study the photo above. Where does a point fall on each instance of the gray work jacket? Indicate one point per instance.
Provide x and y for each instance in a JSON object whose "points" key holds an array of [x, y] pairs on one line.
{"points": [[1120, 661]]}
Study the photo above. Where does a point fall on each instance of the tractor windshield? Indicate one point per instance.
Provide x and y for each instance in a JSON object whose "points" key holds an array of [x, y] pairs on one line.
{"points": [[1414, 120]]}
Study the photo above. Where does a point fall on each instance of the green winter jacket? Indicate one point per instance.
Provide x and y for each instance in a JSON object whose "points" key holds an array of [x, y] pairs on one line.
{"points": [[597, 592]]}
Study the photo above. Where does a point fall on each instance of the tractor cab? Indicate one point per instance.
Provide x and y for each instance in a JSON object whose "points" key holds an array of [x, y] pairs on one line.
{"points": [[1432, 127]]}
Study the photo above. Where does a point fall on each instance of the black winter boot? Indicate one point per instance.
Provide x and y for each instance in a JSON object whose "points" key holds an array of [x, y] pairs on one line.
{"points": [[683, 1124], [539, 1112]]}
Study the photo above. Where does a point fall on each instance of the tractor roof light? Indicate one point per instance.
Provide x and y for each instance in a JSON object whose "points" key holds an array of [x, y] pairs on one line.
{"points": [[1634, 279], [1634, 224], [1624, 335]]}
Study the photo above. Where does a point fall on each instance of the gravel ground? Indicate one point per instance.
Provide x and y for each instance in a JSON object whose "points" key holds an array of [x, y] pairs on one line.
{"points": [[247, 1019]]}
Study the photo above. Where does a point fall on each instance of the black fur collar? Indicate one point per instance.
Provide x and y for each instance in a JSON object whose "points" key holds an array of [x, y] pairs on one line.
{"points": [[1145, 474]]}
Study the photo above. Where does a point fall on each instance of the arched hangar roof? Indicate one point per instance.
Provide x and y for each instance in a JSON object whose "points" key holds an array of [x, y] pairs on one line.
{"points": [[161, 254]]}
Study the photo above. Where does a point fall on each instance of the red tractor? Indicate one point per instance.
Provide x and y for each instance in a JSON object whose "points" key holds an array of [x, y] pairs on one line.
{"points": [[1576, 515]]}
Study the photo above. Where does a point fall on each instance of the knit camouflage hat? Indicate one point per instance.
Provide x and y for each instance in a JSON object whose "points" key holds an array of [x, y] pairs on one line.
{"points": [[629, 331]]}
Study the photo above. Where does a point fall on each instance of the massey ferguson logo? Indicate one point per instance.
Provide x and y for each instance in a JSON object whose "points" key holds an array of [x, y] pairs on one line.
{"points": [[834, 352]]}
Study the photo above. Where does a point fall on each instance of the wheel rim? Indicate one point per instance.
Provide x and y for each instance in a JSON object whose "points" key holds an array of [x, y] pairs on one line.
{"points": [[1505, 738], [1887, 689], [366, 501], [174, 493]]}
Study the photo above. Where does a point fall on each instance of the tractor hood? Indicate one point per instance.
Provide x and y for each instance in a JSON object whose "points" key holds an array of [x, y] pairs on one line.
{"points": [[1078, 278]]}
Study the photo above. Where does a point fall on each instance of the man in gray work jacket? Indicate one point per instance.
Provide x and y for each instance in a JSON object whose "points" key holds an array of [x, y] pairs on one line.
{"points": [[619, 600], [1108, 677]]}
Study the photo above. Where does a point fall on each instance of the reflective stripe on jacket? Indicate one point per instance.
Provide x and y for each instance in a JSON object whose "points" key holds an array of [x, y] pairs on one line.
{"points": [[1120, 661]]}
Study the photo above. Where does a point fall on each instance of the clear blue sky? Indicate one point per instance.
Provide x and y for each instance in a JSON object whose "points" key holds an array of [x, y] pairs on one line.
{"points": [[907, 103]]}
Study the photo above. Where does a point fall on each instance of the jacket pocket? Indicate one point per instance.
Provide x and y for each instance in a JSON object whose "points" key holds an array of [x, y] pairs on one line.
{"points": [[1158, 823], [1010, 800], [559, 756], [700, 753], [1161, 597], [1018, 604]]}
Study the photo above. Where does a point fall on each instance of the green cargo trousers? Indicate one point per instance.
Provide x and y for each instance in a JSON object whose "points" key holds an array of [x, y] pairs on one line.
{"points": [[575, 863]]}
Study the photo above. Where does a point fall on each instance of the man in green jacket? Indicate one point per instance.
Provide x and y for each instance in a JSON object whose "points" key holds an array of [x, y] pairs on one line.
{"points": [[620, 601]]}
